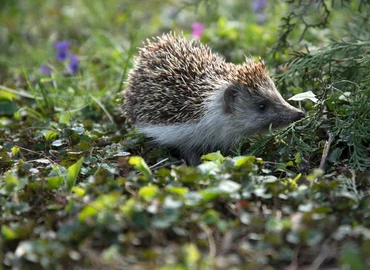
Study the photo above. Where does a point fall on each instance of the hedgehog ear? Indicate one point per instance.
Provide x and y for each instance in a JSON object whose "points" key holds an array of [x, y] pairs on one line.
{"points": [[230, 93]]}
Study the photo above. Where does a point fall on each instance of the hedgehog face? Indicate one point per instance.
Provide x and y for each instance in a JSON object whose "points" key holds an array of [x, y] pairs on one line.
{"points": [[256, 109]]}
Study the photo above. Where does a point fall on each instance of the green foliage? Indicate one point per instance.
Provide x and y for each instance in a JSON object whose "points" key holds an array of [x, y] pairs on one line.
{"points": [[339, 72], [125, 213], [81, 189]]}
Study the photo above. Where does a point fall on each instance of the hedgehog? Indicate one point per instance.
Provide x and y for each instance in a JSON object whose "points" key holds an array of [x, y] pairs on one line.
{"points": [[182, 95]]}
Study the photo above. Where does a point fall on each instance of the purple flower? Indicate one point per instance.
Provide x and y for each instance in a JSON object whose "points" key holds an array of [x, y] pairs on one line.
{"points": [[62, 50], [258, 5], [74, 63], [198, 29], [45, 69]]}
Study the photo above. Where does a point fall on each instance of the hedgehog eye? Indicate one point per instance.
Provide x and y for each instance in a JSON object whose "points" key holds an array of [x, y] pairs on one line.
{"points": [[262, 107]]}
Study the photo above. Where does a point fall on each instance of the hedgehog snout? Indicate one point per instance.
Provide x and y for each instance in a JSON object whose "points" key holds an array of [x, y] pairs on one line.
{"points": [[299, 115], [292, 113]]}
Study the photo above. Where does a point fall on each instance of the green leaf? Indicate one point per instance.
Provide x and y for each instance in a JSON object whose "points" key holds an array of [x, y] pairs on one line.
{"points": [[171, 203], [148, 192], [228, 186], [49, 134], [59, 142], [128, 207], [10, 182], [140, 164], [177, 190], [289, 163], [15, 150], [210, 193], [54, 182], [307, 207], [79, 191], [206, 168], [241, 160], [87, 211], [297, 177], [105, 202], [268, 178], [295, 90], [72, 173], [6, 95], [216, 157], [192, 254], [350, 257], [65, 117], [8, 233], [54, 207], [298, 159], [262, 192], [163, 221], [274, 225], [315, 174], [7, 108], [211, 217]]}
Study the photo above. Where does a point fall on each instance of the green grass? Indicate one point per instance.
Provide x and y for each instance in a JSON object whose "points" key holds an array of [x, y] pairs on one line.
{"points": [[81, 189]]}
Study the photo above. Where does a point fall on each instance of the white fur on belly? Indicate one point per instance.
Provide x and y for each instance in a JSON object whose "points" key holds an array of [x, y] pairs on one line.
{"points": [[215, 131]]}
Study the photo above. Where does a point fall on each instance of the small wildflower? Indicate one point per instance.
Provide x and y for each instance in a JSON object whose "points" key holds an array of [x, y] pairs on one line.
{"points": [[45, 69], [62, 50], [73, 63], [198, 29], [258, 5]]}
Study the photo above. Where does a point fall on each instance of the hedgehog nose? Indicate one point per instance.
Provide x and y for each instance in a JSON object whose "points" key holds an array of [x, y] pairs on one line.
{"points": [[299, 115]]}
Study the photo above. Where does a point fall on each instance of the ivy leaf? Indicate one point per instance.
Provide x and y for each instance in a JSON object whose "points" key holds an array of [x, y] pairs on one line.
{"points": [[105, 202], [10, 183], [229, 186], [54, 182], [177, 190], [216, 157], [15, 150], [298, 158], [65, 117], [72, 173], [79, 191], [140, 164], [241, 160], [59, 142], [87, 211], [192, 254], [8, 233], [49, 134], [148, 192]]}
